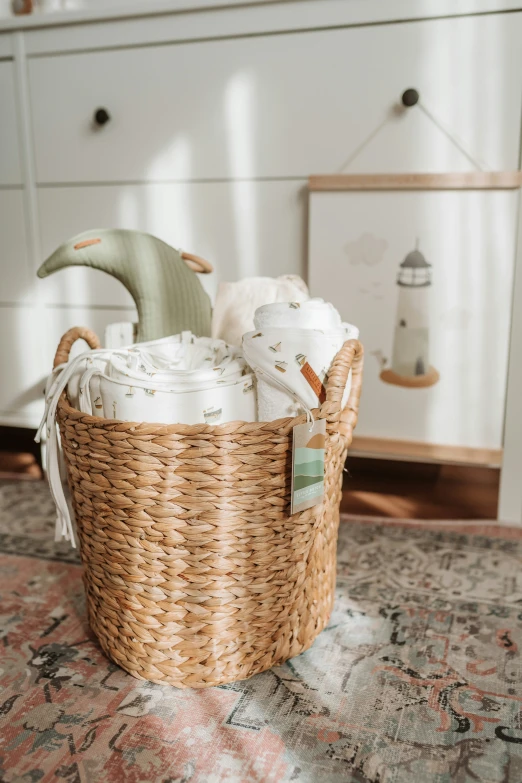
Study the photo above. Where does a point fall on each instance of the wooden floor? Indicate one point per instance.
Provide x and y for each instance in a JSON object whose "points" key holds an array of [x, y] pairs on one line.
{"points": [[405, 490], [19, 454], [401, 490]]}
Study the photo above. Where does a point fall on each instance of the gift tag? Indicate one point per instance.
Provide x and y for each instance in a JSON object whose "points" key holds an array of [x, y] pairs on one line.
{"points": [[309, 443]]}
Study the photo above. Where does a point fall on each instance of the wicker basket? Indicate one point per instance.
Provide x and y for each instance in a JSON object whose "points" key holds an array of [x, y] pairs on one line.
{"points": [[195, 572]]}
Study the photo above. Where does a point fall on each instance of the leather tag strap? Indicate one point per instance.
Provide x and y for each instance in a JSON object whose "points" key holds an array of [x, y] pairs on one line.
{"points": [[314, 381]]}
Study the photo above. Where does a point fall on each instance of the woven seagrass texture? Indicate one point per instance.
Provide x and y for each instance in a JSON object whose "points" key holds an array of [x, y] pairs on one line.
{"points": [[195, 572]]}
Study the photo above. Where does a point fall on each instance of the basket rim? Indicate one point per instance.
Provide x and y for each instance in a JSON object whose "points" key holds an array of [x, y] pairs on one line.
{"points": [[348, 359], [285, 424]]}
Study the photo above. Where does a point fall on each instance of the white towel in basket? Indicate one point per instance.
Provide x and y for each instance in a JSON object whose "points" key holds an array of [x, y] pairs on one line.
{"points": [[291, 351], [312, 314], [237, 302]]}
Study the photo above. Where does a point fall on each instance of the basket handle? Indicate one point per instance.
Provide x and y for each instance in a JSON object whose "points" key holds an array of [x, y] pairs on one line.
{"points": [[68, 340], [350, 357]]}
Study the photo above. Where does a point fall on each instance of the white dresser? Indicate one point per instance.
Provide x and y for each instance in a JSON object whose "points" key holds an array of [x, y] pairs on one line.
{"points": [[213, 119]]}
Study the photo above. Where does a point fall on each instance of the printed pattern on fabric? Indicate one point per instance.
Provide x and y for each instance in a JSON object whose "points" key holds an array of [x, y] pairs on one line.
{"points": [[291, 351], [175, 379], [293, 363], [416, 678]]}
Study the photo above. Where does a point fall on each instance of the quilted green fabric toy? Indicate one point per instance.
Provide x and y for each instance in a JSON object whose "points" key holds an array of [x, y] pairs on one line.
{"points": [[168, 294]]}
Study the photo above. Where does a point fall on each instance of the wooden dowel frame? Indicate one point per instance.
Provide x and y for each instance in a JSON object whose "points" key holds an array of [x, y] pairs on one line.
{"points": [[472, 180], [388, 448]]}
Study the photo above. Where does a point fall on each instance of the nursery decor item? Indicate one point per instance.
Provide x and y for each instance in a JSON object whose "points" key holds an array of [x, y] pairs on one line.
{"points": [[237, 302], [410, 365], [423, 264], [290, 351], [161, 280], [196, 573]]}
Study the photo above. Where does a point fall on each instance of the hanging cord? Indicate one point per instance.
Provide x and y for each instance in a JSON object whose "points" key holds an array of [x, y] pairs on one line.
{"points": [[409, 99], [357, 151], [456, 143]]}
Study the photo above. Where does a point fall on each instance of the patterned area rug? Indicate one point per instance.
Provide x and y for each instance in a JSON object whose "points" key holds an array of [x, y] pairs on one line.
{"points": [[416, 679]]}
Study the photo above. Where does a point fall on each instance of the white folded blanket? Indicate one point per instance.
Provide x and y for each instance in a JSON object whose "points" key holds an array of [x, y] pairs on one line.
{"points": [[180, 379], [237, 302], [291, 361]]}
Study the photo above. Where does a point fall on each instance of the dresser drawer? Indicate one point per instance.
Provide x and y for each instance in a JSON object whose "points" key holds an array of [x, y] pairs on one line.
{"points": [[17, 279], [233, 224], [24, 366], [28, 354], [285, 105], [10, 169], [60, 320]]}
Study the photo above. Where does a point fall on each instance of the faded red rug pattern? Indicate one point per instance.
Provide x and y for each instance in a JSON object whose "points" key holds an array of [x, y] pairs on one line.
{"points": [[416, 679]]}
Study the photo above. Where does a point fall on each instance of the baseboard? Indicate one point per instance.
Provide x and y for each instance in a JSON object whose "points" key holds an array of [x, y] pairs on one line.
{"points": [[424, 452]]}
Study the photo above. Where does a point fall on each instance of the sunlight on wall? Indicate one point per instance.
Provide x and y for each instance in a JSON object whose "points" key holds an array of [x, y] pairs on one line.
{"points": [[176, 156], [240, 124], [172, 218], [163, 210], [128, 209], [22, 389], [464, 278]]}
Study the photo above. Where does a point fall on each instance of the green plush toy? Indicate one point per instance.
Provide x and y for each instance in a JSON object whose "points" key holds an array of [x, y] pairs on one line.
{"points": [[168, 294]]}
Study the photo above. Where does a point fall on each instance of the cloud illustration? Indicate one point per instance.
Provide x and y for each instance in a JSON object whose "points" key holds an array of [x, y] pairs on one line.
{"points": [[367, 249]]}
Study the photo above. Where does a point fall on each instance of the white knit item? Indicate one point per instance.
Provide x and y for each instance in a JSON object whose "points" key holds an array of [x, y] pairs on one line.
{"points": [[237, 302]]}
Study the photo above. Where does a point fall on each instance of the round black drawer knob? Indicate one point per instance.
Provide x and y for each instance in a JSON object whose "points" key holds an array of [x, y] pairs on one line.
{"points": [[410, 97], [101, 116]]}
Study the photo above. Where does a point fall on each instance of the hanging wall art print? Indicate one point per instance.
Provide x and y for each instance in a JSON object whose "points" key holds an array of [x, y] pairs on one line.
{"points": [[423, 265]]}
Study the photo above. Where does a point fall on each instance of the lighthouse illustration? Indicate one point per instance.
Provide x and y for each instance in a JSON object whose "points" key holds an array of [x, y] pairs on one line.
{"points": [[410, 364]]}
